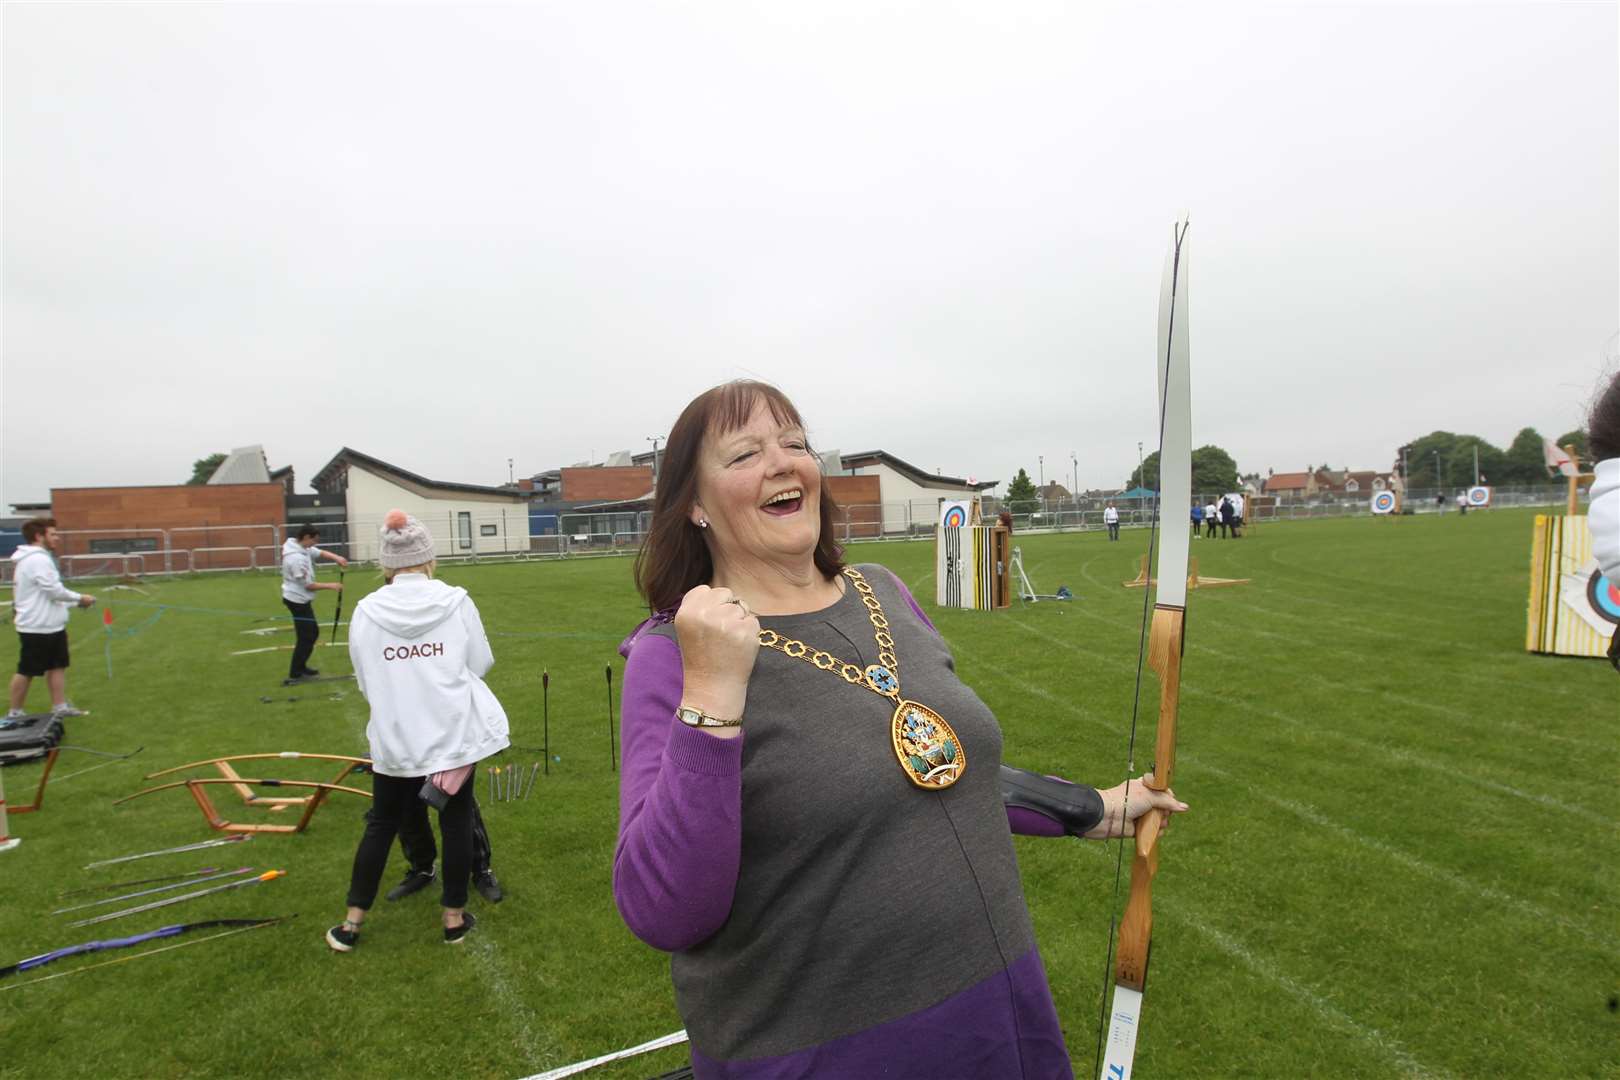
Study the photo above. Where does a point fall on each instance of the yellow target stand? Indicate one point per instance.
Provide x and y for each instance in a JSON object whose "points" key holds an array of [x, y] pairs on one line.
{"points": [[1194, 579]]}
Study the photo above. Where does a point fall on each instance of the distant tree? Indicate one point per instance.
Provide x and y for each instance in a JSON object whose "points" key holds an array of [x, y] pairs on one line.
{"points": [[1021, 497], [1213, 471], [203, 468], [1526, 461]]}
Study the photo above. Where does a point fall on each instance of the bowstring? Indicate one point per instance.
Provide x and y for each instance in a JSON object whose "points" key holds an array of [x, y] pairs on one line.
{"points": [[1141, 655]]}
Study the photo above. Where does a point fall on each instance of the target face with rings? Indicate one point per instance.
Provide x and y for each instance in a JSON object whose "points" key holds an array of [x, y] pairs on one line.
{"points": [[955, 518], [1383, 502], [1603, 593], [1479, 496]]}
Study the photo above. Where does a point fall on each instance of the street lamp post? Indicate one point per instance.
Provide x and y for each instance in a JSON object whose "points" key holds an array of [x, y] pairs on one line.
{"points": [[655, 440], [1438, 483], [1074, 490]]}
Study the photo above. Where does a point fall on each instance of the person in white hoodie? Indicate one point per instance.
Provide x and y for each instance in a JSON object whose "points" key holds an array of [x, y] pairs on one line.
{"points": [[1603, 513], [420, 654], [40, 607]]}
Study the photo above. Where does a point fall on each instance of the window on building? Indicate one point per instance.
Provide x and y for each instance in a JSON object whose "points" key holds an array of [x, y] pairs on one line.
{"points": [[464, 529], [487, 530]]}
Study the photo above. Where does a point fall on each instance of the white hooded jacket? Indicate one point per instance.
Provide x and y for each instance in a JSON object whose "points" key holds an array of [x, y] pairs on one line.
{"points": [[41, 603], [420, 654]]}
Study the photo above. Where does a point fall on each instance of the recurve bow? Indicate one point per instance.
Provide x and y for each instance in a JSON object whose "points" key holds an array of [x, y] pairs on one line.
{"points": [[1165, 646]]}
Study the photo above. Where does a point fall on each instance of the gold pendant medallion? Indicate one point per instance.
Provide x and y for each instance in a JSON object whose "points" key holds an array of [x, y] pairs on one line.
{"points": [[927, 747]]}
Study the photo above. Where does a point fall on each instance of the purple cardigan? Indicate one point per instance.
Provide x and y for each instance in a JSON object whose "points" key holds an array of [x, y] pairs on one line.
{"points": [[676, 868]]}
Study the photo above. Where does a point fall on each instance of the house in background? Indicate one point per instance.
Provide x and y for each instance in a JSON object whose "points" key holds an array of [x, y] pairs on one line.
{"points": [[905, 498], [1327, 483], [464, 519]]}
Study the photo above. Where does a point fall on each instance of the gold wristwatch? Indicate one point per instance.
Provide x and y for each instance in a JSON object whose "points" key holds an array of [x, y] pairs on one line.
{"points": [[697, 718]]}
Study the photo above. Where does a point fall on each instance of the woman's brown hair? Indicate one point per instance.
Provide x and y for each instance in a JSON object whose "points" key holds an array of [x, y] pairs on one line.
{"points": [[674, 557], [1603, 426]]}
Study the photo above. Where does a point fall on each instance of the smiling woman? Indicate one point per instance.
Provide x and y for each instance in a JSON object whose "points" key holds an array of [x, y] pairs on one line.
{"points": [[734, 449], [810, 813]]}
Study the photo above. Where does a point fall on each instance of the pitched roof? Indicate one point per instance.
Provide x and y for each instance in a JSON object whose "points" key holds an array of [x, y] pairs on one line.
{"points": [[243, 465], [1286, 481], [928, 479], [347, 456]]}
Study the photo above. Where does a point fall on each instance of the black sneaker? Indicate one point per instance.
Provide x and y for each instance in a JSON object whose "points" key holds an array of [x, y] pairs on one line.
{"points": [[455, 935], [342, 939], [488, 887], [308, 673], [415, 881]]}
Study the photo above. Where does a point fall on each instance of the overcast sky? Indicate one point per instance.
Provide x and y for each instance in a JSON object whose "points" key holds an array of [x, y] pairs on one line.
{"points": [[447, 236]]}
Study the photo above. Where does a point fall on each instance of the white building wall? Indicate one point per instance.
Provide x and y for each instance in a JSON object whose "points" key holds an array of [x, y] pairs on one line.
{"points": [[370, 497], [908, 505]]}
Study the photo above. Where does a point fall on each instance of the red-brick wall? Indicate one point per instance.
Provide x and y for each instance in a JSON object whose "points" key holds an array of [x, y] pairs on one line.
{"points": [[859, 500], [212, 515], [606, 484]]}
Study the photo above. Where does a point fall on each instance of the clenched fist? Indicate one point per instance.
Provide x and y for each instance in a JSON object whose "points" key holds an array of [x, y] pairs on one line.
{"points": [[719, 639]]}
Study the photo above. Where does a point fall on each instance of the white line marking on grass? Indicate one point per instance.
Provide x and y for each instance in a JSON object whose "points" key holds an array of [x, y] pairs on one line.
{"points": [[1313, 816], [1473, 718], [1231, 600], [1316, 817], [1330, 1013], [511, 1004], [1405, 757], [288, 648]]}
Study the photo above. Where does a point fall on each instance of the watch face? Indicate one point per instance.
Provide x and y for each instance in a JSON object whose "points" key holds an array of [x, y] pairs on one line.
{"points": [[689, 717]]}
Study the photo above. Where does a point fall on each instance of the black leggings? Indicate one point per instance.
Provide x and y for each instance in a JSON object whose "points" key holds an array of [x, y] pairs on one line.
{"points": [[393, 800], [308, 629], [421, 852]]}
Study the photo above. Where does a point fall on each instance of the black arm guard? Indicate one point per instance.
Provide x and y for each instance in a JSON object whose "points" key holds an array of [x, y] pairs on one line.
{"points": [[1076, 807]]}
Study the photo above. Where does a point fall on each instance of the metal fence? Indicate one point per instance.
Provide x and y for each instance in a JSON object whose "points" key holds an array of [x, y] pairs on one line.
{"points": [[498, 535]]}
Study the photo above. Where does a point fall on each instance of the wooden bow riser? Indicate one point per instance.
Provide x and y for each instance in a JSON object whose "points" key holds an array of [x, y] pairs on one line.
{"points": [[1136, 924]]}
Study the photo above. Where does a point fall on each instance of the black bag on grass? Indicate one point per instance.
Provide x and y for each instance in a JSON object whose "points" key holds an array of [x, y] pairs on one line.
{"points": [[28, 738]]}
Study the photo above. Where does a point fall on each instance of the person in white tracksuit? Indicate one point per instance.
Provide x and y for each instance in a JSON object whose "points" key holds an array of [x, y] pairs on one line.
{"points": [[420, 654], [40, 607]]}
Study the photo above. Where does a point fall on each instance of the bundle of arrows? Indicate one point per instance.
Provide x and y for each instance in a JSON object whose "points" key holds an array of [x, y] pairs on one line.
{"points": [[507, 783]]}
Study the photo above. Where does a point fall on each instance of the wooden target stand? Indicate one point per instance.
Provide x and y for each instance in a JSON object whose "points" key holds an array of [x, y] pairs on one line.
{"points": [[1194, 581], [244, 787]]}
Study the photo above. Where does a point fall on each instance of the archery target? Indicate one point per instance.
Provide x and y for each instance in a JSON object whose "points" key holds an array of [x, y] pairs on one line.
{"points": [[1479, 496], [1603, 594], [954, 515], [1383, 502], [1574, 609]]}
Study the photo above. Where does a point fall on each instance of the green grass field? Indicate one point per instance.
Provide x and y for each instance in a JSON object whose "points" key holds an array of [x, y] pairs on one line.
{"points": [[1401, 859]]}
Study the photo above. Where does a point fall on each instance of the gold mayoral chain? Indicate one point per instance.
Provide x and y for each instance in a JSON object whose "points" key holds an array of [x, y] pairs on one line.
{"points": [[927, 748]]}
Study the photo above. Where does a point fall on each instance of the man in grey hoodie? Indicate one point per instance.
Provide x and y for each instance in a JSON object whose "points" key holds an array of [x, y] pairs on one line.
{"points": [[40, 608]]}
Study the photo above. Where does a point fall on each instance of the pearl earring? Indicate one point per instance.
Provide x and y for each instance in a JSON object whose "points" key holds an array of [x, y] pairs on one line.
{"points": [[703, 523]]}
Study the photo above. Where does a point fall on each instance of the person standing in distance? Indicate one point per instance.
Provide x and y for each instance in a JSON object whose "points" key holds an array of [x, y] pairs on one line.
{"points": [[1111, 519], [298, 588], [40, 608]]}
